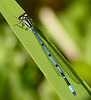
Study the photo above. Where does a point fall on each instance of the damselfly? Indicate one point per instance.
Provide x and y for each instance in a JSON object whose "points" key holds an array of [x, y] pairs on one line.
{"points": [[24, 18]]}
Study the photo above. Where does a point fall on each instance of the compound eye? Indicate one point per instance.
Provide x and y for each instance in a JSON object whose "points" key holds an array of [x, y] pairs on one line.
{"points": [[20, 18], [26, 15]]}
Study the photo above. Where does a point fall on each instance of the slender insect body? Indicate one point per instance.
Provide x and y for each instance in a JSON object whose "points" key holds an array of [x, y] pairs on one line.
{"points": [[29, 25]]}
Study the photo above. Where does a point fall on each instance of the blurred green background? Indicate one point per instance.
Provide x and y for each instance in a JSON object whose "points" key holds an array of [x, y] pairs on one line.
{"points": [[67, 23]]}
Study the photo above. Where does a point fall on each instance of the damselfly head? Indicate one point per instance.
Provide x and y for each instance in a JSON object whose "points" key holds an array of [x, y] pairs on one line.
{"points": [[23, 16]]}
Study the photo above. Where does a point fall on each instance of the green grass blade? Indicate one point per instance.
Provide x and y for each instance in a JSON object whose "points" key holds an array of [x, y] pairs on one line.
{"points": [[9, 9]]}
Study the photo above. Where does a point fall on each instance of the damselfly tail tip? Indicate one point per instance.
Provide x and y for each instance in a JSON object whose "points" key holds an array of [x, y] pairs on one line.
{"points": [[74, 93]]}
